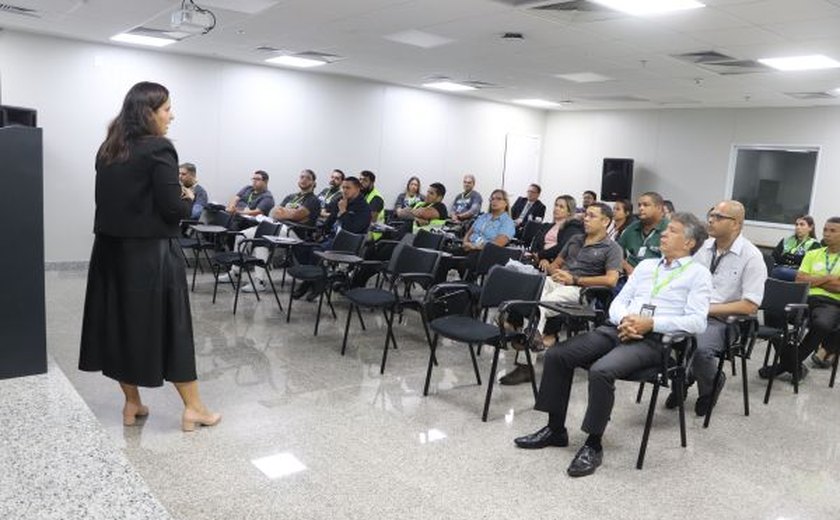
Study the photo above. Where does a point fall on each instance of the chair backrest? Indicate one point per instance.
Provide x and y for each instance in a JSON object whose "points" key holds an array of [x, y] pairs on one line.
{"points": [[777, 294], [529, 232], [428, 240], [347, 242], [492, 255], [215, 217], [503, 284], [267, 228], [410, 259]]}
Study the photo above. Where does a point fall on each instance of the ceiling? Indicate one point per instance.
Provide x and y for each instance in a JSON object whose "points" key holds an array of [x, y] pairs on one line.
{"points": [[636, 53]]}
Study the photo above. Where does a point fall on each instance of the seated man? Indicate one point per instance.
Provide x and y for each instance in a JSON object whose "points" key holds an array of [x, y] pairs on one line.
{"points": [[374, 200], [529, 207], [301, 207], [466, 205], [428, 213], [252, 200], [641, 238], [663, 295], [738, 275], [333, 191], [187, 176], [821, 269], [586, 260]]}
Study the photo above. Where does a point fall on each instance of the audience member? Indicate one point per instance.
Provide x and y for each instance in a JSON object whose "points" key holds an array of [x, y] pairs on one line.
{"points": [[374, 200], [410, 197], [429, 213], [332, 192], [640, 240], [790, 251], [662, 295], [820, 269], [738, 276], [622, 217], [253, 200], [529, 207], [668, 208], [589, 197], [551, 238], [467, 204], [187, 177]]}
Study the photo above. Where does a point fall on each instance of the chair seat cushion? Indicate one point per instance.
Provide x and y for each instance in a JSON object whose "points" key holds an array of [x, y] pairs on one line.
{"points": [[188, 243], [226, 258], [306, 272], [370, 297], [765, 332], [466, 329]]}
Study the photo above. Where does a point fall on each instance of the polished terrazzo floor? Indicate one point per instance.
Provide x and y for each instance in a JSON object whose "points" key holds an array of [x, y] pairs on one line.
{"points": [[335, 439]]}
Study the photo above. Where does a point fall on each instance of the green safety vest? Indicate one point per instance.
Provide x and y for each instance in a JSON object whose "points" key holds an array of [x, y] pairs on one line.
{"points": [[381, 219], [433, 224]]}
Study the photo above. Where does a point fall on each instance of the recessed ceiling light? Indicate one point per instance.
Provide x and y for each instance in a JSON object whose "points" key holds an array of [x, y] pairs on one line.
{"points": [[584, 77], [420, 39], [139, 39], [836, 91], [537, 103], [448, 86], [813, 62], [296, 61], [649, 7]]}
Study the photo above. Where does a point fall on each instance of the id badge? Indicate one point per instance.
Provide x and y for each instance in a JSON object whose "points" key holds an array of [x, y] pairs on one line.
{"points": [[642, 251], [647, 311]]}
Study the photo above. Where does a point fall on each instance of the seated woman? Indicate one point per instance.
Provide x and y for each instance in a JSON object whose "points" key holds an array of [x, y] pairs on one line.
{"points": [[553, 236], [622, 217], [410, 197], [789, 252]]}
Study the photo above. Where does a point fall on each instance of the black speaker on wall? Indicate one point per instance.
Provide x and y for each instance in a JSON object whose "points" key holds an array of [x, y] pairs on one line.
{"points": [[616, 179]]}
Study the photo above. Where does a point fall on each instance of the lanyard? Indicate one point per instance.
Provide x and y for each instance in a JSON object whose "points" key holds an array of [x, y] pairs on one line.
{"points": [[296, 201], [799, 246], [657, 287], [716, 260], [250, 197], [830, 266]]}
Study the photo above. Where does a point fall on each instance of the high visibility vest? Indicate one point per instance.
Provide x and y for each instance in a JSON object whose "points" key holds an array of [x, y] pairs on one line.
{"points": [[433, 224], [381, 218]]}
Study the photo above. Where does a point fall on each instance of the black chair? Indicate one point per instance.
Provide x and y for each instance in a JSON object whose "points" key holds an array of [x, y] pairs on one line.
{"points": [[739, 340], [785, 313], [409, 266], [834, 368], [427, 240], [201, 243], [504, 289], [244, 259], [489, 256], [321, 274]]}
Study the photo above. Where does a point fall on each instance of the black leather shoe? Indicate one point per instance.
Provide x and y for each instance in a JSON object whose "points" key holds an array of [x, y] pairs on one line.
{"points": [[673, 400], [586, 461], [766, 372], [300, 290], [706, 402], [543, 438], [517, 376]]}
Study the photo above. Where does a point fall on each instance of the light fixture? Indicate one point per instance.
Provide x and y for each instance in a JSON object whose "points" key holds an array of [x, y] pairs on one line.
{"points": [[584, 77], [537, 103], [649, 7], [296, 61], [836, 91], [812, 62], [448, 86], [139, 39]]}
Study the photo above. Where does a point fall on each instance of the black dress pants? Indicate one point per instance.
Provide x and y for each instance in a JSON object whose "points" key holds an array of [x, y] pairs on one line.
{"points": [[824, 327], [607, 358]]}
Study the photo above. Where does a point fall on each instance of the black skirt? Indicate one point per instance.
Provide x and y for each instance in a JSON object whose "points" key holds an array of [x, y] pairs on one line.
{"points": [[137, 325]]}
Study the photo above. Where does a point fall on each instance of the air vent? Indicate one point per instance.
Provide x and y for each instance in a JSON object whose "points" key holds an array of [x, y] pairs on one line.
{"points": [[722, 64], [566, 11], [20, 11], [703, 57], [810, 95], [481, 84], [313, 55], [267, 48]]}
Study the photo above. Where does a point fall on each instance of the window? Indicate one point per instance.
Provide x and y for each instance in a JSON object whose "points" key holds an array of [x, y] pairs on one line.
{"points": [[775, 184]]}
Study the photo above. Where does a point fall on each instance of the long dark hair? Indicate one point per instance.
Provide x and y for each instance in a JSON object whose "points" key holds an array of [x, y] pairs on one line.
{"points": [[810, 221], [135, 120]]}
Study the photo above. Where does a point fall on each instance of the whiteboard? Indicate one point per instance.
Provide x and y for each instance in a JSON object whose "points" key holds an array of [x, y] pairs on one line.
{"points": [[522, 164]]}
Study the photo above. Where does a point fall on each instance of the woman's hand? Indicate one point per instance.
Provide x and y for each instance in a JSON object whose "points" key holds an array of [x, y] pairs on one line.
{"points": [[187, 193]]}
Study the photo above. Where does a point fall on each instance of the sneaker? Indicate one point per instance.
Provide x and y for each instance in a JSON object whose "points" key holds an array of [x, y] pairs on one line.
{"points": [[261, 287], [788, 376], [224, 278], [517, 376], [707, 402], [770, 370], [820, 363]]}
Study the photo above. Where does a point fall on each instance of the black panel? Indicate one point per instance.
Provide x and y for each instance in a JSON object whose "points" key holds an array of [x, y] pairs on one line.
{"points": [[617, 179], [18, 116], [23, 349]]}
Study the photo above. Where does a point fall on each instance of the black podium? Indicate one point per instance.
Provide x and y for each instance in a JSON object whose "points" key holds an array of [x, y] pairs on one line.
{"points": [[23, 342]]}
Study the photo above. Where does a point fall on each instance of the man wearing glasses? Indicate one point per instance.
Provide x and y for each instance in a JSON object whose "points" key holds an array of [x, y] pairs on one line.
{"points": [[738, 275], [529, 207], [253, 200]]}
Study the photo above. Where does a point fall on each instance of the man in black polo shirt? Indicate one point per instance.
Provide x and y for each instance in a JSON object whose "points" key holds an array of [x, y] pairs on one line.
{"points": [[429, 213], [586, 260]]}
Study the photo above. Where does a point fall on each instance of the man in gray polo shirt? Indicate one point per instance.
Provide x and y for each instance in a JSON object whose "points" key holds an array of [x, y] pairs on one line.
{"points": [[738, 276], [586, 260]]}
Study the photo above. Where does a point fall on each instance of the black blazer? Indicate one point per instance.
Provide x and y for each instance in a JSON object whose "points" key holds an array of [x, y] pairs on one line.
{"points": [[141, 197], [572, 227], [537, 209]]}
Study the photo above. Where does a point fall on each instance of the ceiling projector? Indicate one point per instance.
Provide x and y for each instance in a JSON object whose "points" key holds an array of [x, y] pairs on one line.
{"points": [[192, 19]]}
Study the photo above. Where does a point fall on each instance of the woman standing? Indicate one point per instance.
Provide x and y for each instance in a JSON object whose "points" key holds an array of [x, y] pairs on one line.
{"points": [[790, 251], [622, 216], [137, 325], [552, 237], [410, 196]]}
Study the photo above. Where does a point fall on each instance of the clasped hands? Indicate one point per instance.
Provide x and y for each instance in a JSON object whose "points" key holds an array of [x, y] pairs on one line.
{"points": [[633, 327]]}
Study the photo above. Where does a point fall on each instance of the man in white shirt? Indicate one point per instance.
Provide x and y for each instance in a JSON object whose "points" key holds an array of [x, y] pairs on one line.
{"points": [[662, 295]]}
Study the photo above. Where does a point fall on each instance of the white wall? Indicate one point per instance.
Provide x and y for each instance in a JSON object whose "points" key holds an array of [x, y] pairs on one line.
{"points": [[231, 119], [685, 154]]}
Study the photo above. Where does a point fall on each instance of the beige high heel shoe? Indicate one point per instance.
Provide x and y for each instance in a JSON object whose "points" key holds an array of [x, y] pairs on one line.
{"points": [[191, 419], [132, 411]]}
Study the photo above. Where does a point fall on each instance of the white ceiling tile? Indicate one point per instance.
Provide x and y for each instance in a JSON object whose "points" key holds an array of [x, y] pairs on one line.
{"points": [[781, 11]]}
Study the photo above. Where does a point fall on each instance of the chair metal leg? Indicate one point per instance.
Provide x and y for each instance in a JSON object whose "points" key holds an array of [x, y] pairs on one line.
{"points": [[490, 383], [432, 348], [215, 282], [776, 357], [361, 321], [251, 281], [833, 370], [679, 386], [347, 328], [531, 371], [195, 271], [318, 314], [641, 392], [289, 309], [767, 352], [715, 382], [274, 290], [744, 384], [474, 363], [797, 373], [648, 422], [426, 329], [389, 336]]}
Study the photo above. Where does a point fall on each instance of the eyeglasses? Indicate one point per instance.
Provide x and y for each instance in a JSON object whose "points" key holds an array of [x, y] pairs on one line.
{"points": [[256, 179], [717, 217]]}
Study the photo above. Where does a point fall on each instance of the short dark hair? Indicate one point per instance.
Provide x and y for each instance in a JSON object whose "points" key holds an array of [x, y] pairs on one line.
{"points": [[655, 197], [310, 173], [667, 204], [439, 188], [606, 210], [536, 187], [367, 174], [339, 172], [833, 220], [353, 180], [262, 175], [190, 167], [693, 229], [590, 192]]}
